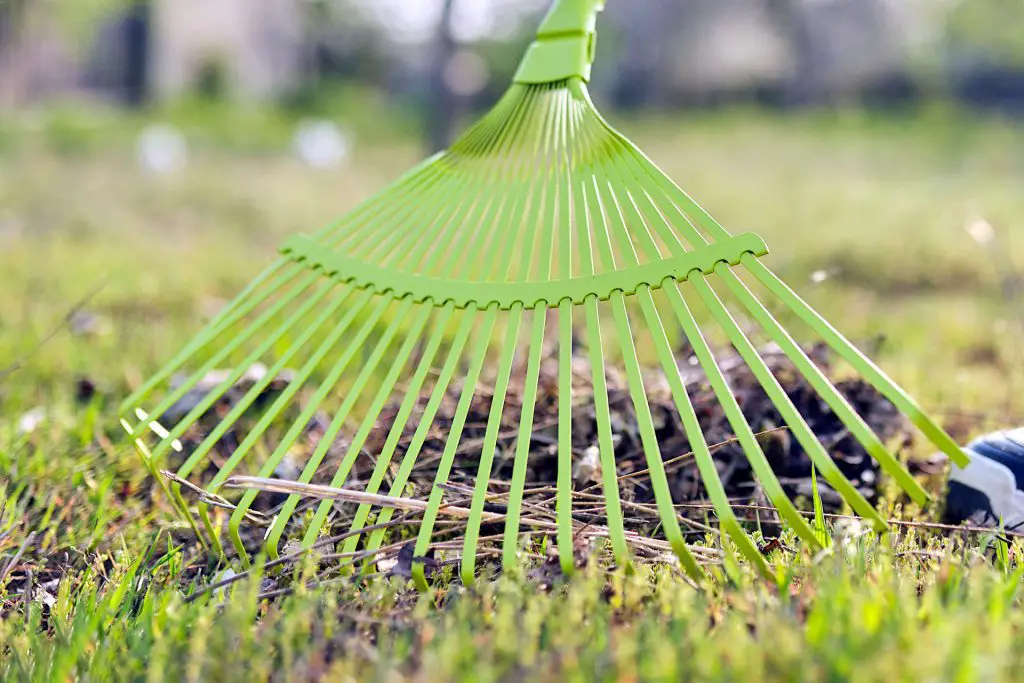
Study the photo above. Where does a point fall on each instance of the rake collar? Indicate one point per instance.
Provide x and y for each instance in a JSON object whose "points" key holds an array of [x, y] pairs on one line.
{"points": [[565, 45]]}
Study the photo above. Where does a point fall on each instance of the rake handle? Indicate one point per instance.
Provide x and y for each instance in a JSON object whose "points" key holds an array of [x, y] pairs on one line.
{"points": [[565, 44]]}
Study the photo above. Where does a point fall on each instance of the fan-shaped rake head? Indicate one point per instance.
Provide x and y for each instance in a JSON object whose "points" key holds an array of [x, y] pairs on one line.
{"points": [[541, 242]]}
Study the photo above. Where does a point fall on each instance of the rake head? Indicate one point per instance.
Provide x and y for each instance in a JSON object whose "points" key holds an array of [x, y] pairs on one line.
{"points": [[542, 236]]}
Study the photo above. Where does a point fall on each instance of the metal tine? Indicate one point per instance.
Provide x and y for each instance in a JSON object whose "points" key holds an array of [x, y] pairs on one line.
{"points": [[510, 543], [797, 425], [230, 314], [384, 392], [606, 448], [257, 389], [283, 401], [486, 328], [563, 495], [828, 392], [864, 365], [755, 456], [506, 163], [649, 440], [359, 385], [698, 444], [398, 425], [239, 370], [490, 444], [469, 320]]}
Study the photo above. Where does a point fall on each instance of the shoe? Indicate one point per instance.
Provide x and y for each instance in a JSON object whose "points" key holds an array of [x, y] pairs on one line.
{"points": [[989, 489]]}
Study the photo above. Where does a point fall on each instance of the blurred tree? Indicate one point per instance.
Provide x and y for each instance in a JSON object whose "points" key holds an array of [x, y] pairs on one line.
{"points": [[443, 105], [13, 14], [804, 86], [137, 52], [346, 42], [984, 44]]}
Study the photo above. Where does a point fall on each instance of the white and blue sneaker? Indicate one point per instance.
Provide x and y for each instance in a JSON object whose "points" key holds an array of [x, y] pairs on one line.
{"points": [[989, 489]]}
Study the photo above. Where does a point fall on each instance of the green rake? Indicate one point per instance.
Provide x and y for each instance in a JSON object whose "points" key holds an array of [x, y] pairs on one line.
{"points": [[540, 223]]}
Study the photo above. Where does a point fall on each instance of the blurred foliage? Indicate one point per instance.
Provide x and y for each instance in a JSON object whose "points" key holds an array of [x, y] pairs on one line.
{"points": [[991, 29]]}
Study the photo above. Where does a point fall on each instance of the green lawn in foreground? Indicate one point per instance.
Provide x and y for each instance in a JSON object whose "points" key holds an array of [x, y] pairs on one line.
{"points": [[881, 206]]}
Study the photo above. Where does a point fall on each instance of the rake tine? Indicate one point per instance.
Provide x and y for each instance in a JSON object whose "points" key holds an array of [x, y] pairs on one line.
{"points": [[758, 461], [545, 250], [452, 442], [433, 197], [239, 307], [337, 233], [483, 474], [659, 482], [499, 243], [465, 262], [379, 401], [695, 436], [839, 405], [437, 254], [257, 389], [444, 211], [253, 329], [563, 507], [871, 372], [785, 406], [300, 423], [327, 440], [610, 484], [412, 395], [430, 412], [522, 455]]}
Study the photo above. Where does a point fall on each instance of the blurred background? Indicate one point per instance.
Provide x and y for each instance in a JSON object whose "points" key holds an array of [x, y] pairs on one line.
{"points": [[153, 153], [436, 59]]}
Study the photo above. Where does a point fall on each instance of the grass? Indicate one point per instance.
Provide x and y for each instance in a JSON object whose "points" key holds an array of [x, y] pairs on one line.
{"points": [[117, 590]]}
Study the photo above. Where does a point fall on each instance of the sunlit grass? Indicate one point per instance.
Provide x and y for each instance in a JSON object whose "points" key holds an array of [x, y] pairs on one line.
{"points": [[879, 208]]}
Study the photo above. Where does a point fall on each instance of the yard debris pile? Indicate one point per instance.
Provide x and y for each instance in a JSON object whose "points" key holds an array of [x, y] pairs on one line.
{"points": [[787, 458]]}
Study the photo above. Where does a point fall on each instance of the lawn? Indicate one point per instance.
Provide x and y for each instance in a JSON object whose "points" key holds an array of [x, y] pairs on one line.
{"points": [[902, 231]]}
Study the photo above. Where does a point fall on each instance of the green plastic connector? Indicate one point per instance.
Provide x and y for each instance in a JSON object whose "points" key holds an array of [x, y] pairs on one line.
{"points": [[565, 45]]}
